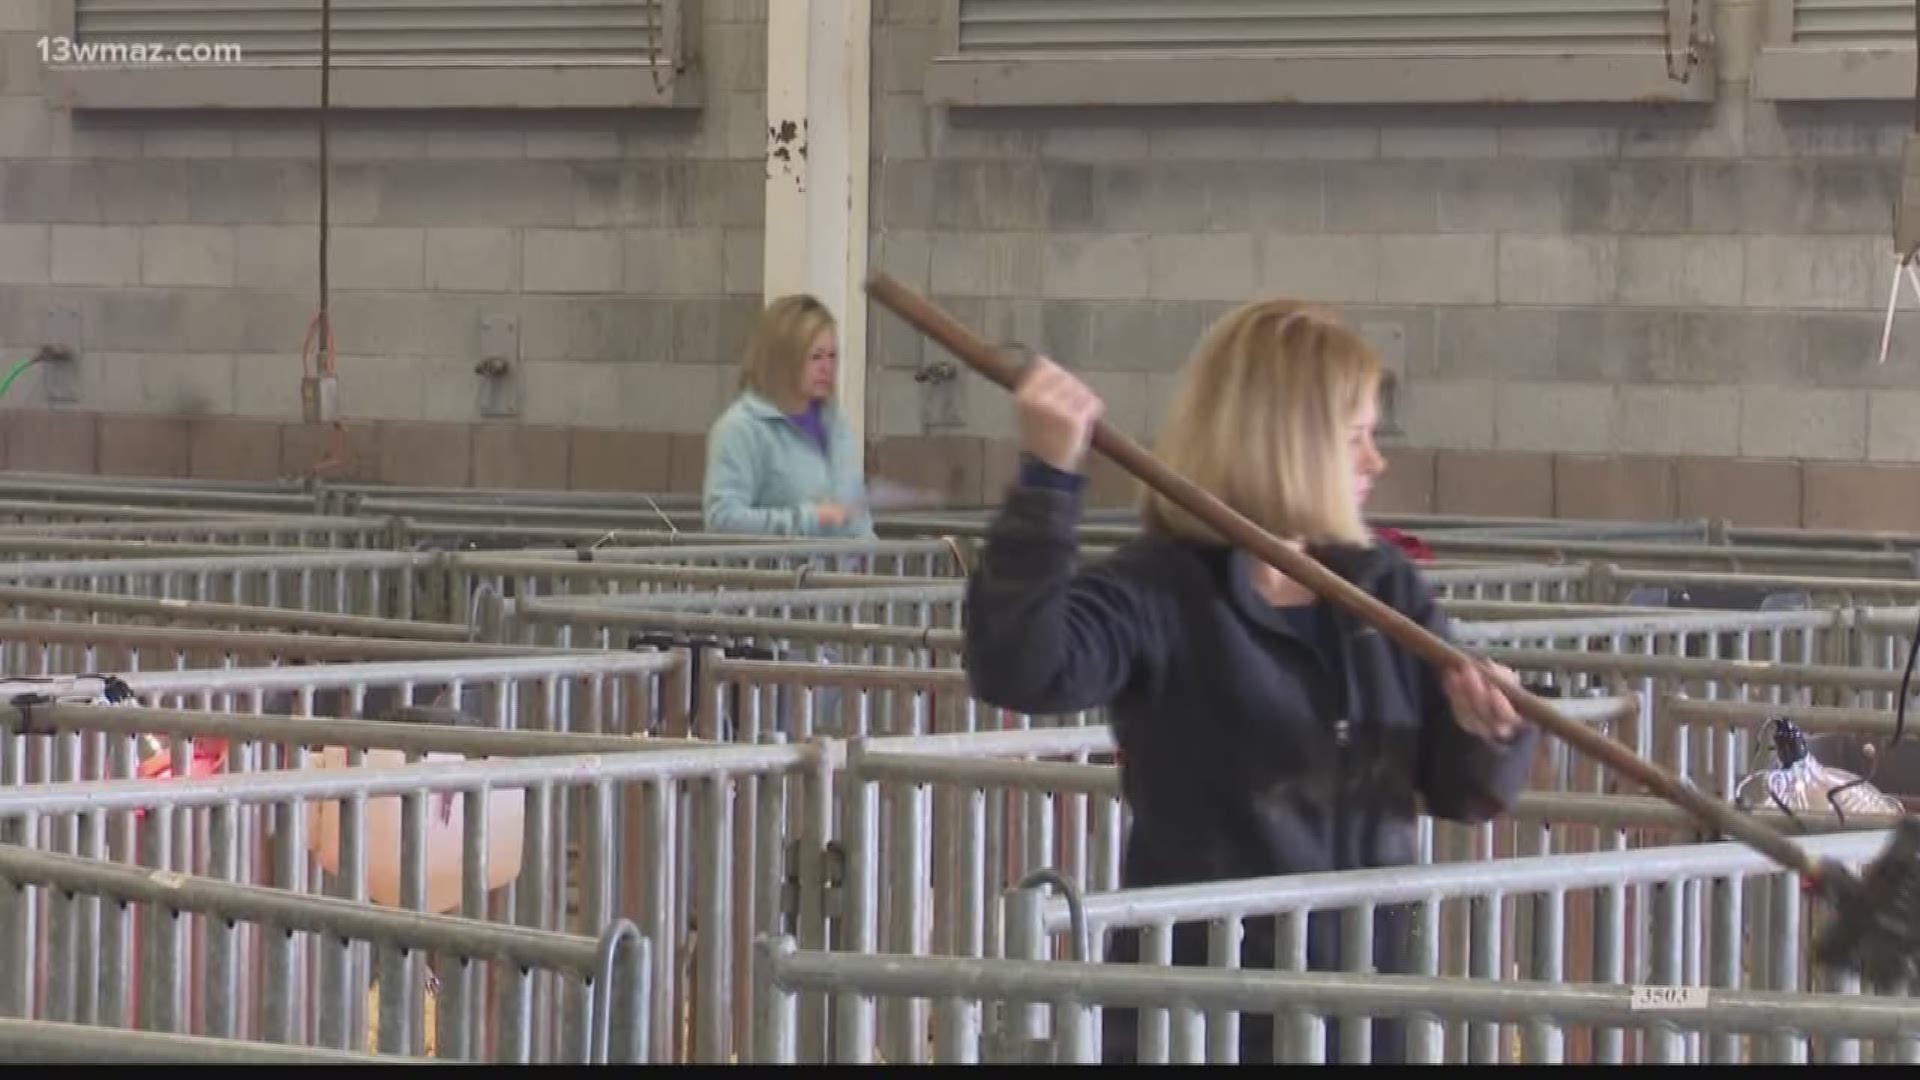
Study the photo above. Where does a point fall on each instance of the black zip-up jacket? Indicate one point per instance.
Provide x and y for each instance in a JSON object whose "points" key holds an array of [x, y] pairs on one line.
{"points": [[1247, 749]]}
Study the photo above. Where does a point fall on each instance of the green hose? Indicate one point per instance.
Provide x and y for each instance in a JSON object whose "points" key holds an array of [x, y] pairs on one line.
{"points": [[6, 383]]}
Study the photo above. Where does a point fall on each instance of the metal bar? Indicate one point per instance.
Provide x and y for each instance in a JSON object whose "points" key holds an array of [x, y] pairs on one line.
{"points": [[43, 633], [83, 1044], [177, 610], [540, 611], [1532, 874], [412, 737], [944, 593], [801, 581], [1764, 673], [1028, 982], [447, 776], [308, 560], [526, 947]]}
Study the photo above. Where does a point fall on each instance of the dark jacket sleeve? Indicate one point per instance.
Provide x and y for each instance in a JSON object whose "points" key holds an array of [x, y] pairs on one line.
{"points": [[1463, 777], [1042, 633]]}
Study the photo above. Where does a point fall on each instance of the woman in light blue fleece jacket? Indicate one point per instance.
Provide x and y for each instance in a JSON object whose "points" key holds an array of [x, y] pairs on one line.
{"points": [[781, 459]]}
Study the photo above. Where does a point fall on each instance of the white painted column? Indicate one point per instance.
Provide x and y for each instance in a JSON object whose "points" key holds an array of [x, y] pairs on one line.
{"points": [[818, 76]]}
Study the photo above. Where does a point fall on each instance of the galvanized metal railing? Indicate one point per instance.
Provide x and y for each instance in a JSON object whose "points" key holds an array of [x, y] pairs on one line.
{"points": [[1883, 638], [1770, 634], [23, 601], [1800, 634], [337, 582], [933, 827], [1716, 915], [1701, 754], [1612, 583], [90, 742], [749, 880], [433, 494], [596, 692], [273, 531], [34, 546], [1026, 1011], [43, 648], [905, 874], [1516, 581], [166, 951], [572, 624], [747, 700], [70, 503], [643, 582], [29, 512], [1686, 558], [44, 1042], [866, 624], [659, 839], [447, 587], [920, 607], [758, 826], [939, 558]]}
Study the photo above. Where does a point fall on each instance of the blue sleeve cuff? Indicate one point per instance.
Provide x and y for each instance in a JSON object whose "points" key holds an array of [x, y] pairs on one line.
{"points": [[1035, 473]]}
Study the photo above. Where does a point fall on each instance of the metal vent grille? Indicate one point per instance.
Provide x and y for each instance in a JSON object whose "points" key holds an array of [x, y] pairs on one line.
{"points": [[1123, 26], [410, 32]]}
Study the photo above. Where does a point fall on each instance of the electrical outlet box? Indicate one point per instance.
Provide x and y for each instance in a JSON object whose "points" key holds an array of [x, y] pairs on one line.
{"points": [[59, 374], [62, 382], [320, 398], [1906, 216], [499, 367], [499, 396], [940, 391], [1389, 339], [62, 326], [940, 407], [500, 338], [59, 359]]}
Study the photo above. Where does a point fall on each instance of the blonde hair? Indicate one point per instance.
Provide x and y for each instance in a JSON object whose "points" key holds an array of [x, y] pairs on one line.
{"points": [[1261, 424], [782, 340]]}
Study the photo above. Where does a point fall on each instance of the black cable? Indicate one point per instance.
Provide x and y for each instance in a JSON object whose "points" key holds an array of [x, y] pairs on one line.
{"points": [[1900, 207], [320, 331], [1913, 650], [326, 122], [1899, 706], [1870, 776]]}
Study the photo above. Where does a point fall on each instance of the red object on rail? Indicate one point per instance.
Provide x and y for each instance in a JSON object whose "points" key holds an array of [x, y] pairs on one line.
{"points": [[1416, 549]]}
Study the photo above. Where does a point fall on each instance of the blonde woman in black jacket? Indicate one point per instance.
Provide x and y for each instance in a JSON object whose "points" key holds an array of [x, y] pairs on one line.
{"points": [[1261, 731]]}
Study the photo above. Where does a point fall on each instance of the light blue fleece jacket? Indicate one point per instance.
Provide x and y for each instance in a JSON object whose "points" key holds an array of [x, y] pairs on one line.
{"points": [[764, 474]]}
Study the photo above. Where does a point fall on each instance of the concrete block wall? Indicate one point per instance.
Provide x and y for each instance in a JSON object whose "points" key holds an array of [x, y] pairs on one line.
{"points": [[184, 247], [1597, 311], [1615, 311]]}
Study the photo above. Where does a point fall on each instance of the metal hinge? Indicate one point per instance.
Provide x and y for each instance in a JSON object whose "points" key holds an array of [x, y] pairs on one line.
{"points": [[833, 877]]}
